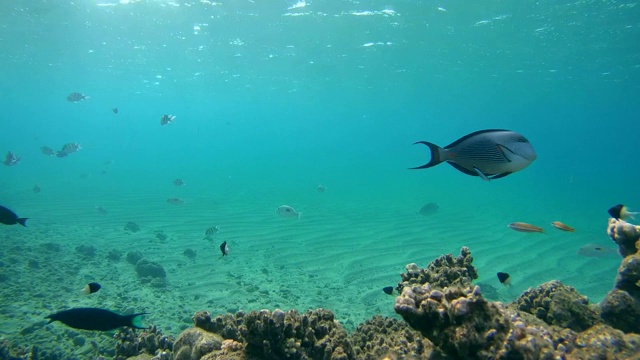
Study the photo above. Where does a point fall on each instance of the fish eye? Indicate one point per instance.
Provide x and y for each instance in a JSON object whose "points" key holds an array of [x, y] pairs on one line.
{"points": [[522, 140], [598, 248]]}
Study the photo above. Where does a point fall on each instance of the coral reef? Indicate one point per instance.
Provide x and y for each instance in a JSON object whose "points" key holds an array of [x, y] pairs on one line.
{"points": [[379, 337], [194, 343], [558, 304], [152, 342], [442, 272], [621, 307]]}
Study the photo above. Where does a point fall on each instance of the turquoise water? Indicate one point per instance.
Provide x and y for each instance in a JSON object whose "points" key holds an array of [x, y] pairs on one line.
{"points": [[274, 98]]}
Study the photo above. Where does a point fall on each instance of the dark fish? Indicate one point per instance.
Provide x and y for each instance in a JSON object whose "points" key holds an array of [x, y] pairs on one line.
{"points": [[8, 217], [224, 248], [75, 97], [96, 319], [490, 154], [11, 159], [429, 209], [388, 290], [115, 110], [167, 119], [91, 288], [178, 182], [595, 250], [47, 151], [504, 278], [621, 212]]}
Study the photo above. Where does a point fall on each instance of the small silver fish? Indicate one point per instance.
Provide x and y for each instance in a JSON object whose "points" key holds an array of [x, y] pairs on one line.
{"points": [[71, 148], [288, 212], [36, 188], [101, 210], [489, 154], [47, 151], [212, 231], [178, 182], [167, 119], [75, 97], [321, 188], [175, 200], [524, 227]]}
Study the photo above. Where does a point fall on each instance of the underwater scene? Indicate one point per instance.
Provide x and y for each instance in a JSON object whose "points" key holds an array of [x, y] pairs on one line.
{"points": [[246, 179]]}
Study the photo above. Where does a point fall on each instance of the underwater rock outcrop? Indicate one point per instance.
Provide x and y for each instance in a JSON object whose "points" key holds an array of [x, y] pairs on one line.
{"points": [[382, 336], [442, 272], [151, 342], [621, 307], [560, 305]]}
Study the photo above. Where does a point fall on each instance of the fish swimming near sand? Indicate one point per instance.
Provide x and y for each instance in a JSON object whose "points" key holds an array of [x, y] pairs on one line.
{"points": [[224, 248], [621, 212], [210, 232], [489, 154], [47, 151], [178, 182], [11, 159], [564, 227], [91, 288], [524, 227], [36, 188], [596, 250], [288, 212], [75, 97], [321, 188], [388, 290], [428, 209], [96, 319], [504, 278], [8, 217], [176, 201]]}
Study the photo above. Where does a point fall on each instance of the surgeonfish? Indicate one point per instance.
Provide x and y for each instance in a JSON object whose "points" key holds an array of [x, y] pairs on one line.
{"points": [[524, 227], [288, 212], [489, 154], [504, 278], [563, 227], [224, 248], [8, 217], [96, 319], [91, 288], [621, 212]]}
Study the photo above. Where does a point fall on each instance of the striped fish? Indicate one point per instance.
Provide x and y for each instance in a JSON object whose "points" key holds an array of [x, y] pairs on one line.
{"points": [[489, 154], [563, 227], [212, 231], [524, 227], [75, 97]]}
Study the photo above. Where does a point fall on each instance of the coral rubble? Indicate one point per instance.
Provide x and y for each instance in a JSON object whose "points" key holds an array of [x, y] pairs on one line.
{"points": [[442, 272]]}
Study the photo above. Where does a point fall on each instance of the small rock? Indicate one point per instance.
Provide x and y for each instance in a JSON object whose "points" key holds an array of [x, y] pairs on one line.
{"points": [[131, 227], [146, 268], [86, 250], [133, 257]]}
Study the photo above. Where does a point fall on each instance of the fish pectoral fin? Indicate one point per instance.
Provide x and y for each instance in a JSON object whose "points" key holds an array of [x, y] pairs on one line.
{"points": [[505, 151], [481, 174], [498, 176]]}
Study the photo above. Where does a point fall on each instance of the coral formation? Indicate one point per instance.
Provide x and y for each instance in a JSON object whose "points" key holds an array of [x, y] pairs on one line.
{"points": [[558, 304], [152, 341], [442, 272], [86, 250], [133, 257], [621, 307], [146, 268], [379, 337]]}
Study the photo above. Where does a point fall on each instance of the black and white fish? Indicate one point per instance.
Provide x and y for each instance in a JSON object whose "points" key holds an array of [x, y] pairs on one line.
{"points": [[91, 288], [71, 148], [224, 248], [11, 159], [178, 182], [47, 151], [96, 319], [288, 212], [489, 154], [8, 217], [75, 97], [167, 119], [210, 232]]}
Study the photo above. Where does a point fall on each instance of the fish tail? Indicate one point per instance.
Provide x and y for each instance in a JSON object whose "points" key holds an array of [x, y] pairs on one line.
{"points": [[22, 221], [135, 320], [436, 155]]}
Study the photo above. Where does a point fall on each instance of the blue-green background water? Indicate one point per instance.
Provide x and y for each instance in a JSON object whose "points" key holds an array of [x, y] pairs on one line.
{"points": [[273, 99]]}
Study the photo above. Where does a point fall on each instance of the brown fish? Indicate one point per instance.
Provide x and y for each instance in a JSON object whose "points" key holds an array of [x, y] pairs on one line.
{"points": [[563, 227], [524, 227]]}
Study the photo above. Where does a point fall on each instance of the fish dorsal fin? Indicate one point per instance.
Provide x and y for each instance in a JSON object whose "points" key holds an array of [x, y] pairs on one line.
{"points": [[475, 133]]}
